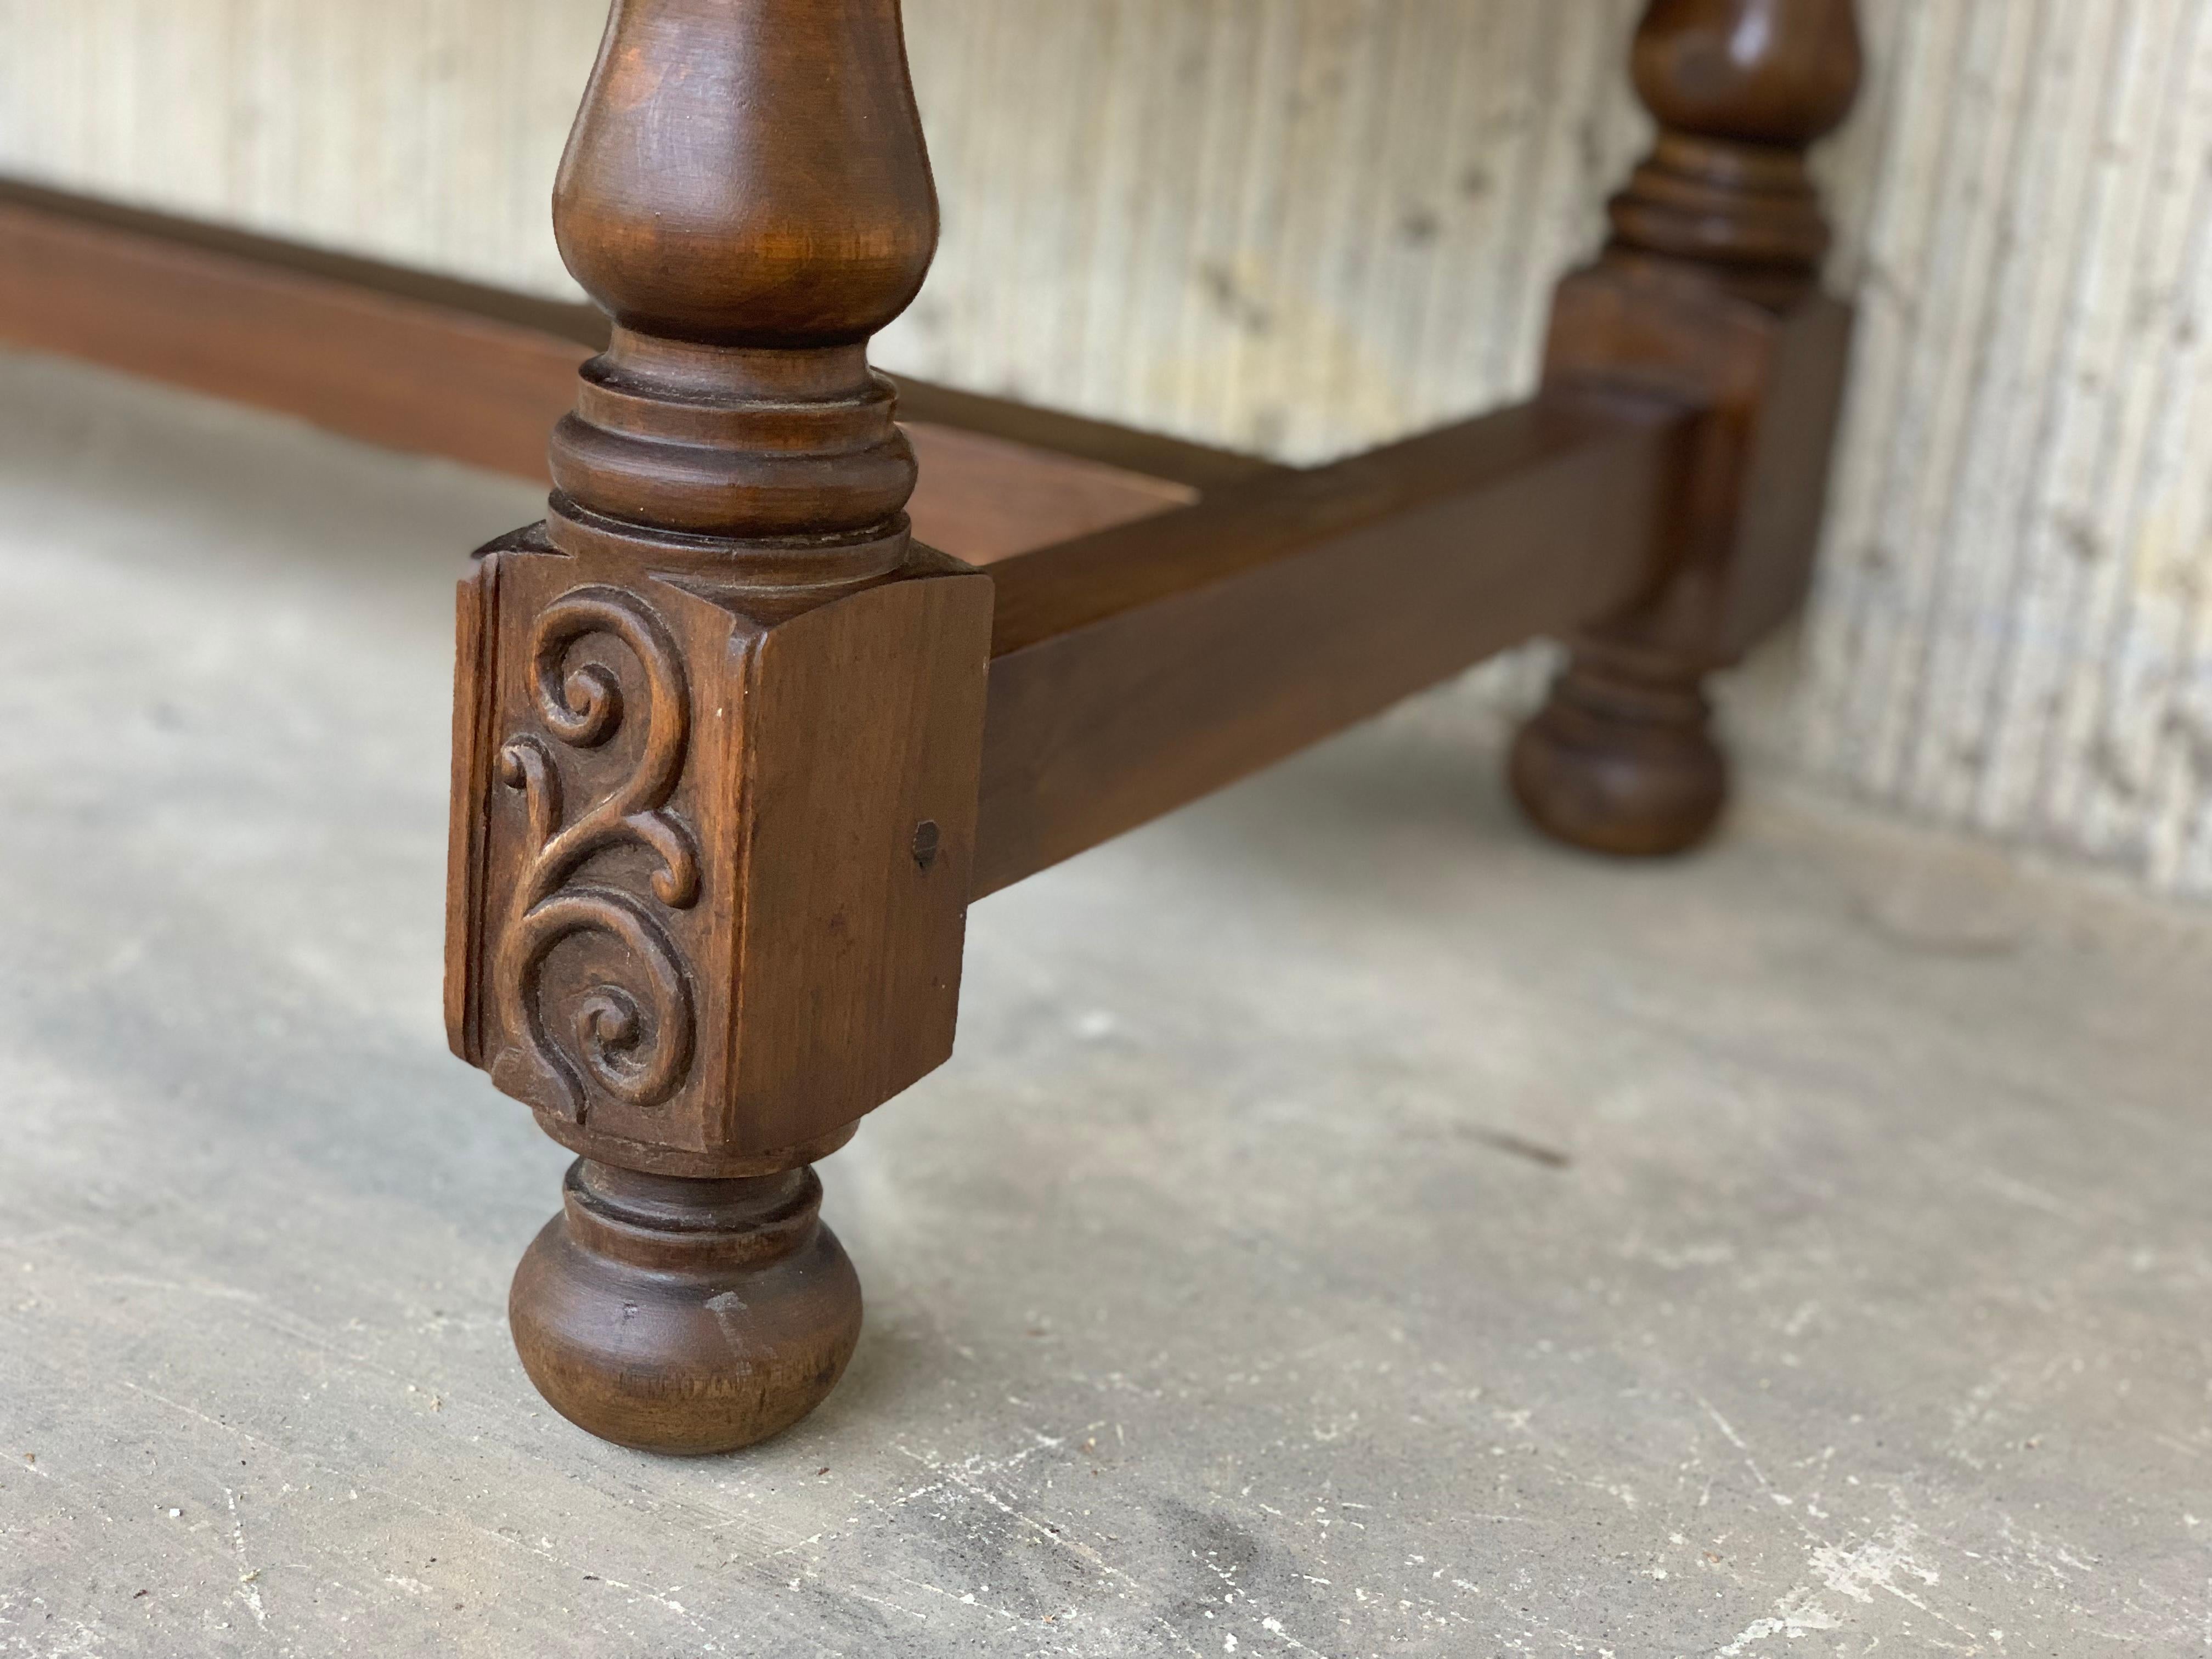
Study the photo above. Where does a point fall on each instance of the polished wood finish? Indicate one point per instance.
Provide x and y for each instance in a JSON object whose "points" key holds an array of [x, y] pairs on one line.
{"points": [[411, 362], [1172, 461], [477, 375], [1708, 292], [1137, 670], [718, 722], [738, 1308], [733, 750], [986, 498], [1740, 90], [1111, 702], [688, 1317]]}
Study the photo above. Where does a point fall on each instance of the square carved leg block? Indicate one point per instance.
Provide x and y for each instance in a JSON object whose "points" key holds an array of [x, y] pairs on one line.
{"points": [[712, 852]]}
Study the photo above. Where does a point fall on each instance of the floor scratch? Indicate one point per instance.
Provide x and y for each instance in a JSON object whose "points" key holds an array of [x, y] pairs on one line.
{"points": [[247, 1572]]}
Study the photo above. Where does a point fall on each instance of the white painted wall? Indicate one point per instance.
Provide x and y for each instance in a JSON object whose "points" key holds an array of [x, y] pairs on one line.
{"points": [[1305, 225]]}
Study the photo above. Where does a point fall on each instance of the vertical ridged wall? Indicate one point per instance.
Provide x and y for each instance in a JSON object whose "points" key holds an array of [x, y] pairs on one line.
{"points": [[1305, 225], [2014, 628]]}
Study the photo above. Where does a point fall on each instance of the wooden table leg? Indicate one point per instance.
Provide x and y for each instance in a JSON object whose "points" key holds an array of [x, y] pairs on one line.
{"points": [[1708, 290], [718, 724]]}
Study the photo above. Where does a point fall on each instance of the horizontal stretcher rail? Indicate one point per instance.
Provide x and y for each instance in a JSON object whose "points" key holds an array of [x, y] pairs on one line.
{"points": [[399, 357], [1134, 668], [1140, 668]]}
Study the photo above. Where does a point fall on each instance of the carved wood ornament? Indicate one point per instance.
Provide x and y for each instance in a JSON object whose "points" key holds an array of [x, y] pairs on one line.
{"points": [[703, 711], [636, 1051], [719, 721], [724, 782]]}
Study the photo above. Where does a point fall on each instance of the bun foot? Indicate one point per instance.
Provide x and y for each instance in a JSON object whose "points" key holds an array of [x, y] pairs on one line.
{"points": [[1621, 759], [685, 1315]]}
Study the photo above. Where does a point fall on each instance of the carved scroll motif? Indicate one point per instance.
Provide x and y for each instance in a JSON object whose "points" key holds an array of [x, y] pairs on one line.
{"points": [[631, 1033]]}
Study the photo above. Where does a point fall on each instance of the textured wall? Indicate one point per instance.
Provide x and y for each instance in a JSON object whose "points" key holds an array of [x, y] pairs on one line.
{"points": [[1304, 225], [2013, 629]]}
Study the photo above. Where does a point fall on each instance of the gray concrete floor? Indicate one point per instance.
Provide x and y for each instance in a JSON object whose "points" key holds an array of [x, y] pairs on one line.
{"points": [[1349, 1226]]}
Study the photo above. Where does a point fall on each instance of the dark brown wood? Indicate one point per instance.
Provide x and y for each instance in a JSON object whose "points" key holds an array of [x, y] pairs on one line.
{"points": [[735, 1308], [1195, 467], [984, 498], [718, 722], [477, 375], [236, 251], [1139, 669], [733, 750], [1708, 292], [268, 322], [1740, 90], [407, 362]]}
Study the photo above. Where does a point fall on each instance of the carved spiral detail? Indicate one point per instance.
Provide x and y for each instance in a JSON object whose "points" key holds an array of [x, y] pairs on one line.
{"points": [[632, 1036]]}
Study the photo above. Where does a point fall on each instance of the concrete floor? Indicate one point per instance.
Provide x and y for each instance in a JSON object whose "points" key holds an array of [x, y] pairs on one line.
{"points": [[1349, 1226]]}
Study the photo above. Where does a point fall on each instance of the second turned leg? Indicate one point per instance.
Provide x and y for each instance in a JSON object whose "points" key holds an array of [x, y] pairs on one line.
{"points": [[1709, 292]]}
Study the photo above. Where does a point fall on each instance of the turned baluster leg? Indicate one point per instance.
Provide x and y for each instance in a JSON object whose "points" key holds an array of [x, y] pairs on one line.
{"points": [[1708, 290], [718, 723]]}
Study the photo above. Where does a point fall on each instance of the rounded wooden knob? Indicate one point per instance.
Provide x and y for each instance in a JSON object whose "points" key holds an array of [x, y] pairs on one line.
{"points": [[1780, 72], [681, 1315], [749, 172], [1620, 761]]}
